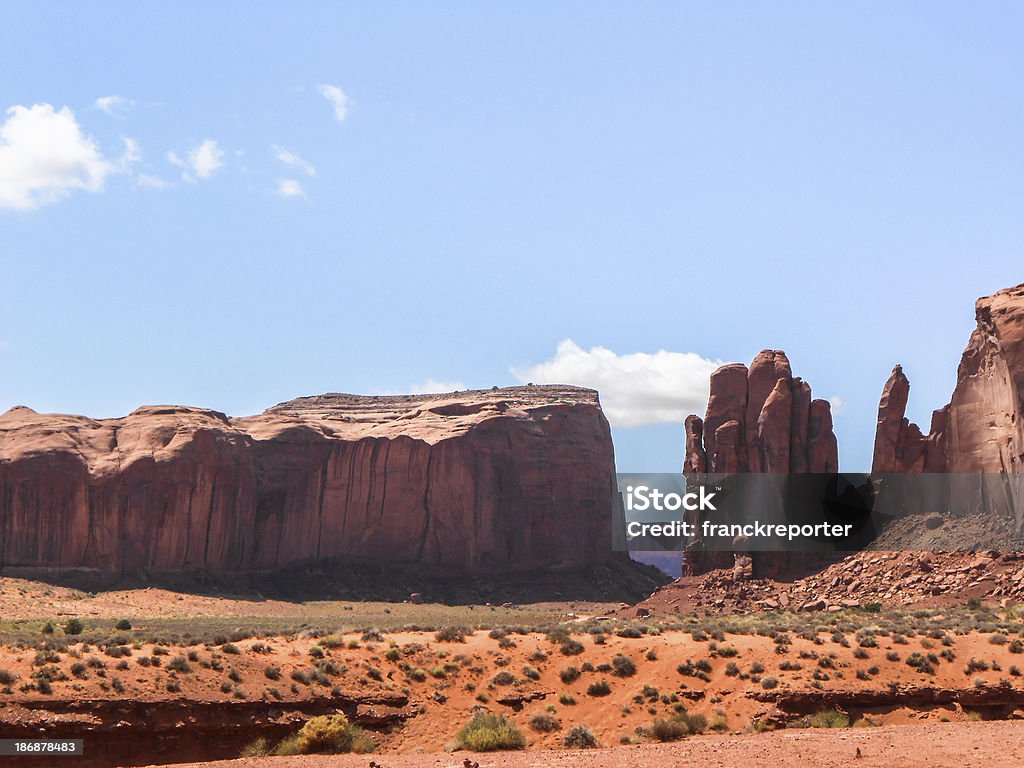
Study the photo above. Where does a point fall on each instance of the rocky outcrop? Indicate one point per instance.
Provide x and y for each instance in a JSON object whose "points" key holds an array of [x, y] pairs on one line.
{"points": [[495, 481], [977, 438], [980, 430], [759, 419]]}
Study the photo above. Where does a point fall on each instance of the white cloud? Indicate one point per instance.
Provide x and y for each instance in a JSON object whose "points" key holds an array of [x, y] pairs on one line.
{"points": [[44, 157], [434, 387], [202, 161], [132, 154], [289, 188], [113, 104], [147, 181], [636, 388], [292, 160], [838, 405], [338, 100]]}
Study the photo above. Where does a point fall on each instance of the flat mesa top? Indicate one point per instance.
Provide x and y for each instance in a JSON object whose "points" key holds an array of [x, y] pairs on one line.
{"points": [[157, 429], [541, 394]]}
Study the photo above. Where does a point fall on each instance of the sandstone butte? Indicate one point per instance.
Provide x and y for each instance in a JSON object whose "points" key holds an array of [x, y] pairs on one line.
{"points": [[759, 419], [977, 438], [493, 481], [980, 430]]}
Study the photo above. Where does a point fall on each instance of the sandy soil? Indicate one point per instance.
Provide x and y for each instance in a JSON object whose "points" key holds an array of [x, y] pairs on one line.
{"points": [[446, 681], [988, 745]]}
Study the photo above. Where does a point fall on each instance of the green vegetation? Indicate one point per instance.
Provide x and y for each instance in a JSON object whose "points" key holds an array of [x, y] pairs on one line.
{"points": [[580, 737], [488, 733], [829, 718], [327, 734]]}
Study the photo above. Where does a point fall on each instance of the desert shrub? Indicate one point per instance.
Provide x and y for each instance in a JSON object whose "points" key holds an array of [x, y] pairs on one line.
{"points": [[719, 722], [73, 627], [487, 733], [571, 647], [503, 678], [1016, 646], [652, 655], [580, 737], [769, 682], [976, 665], [230, 648], [452, 634], [417, 674], [696, 723], [78, 669], [542, 722], [7, 677], [623, 666], [327, 734], [272, 673], [892, 656], [860, 653], [631, 633], [567, 699], [599, 688], [179, 664], [829, 718], [790, 666], [316, 652], [258, 747], [756, 668], [531, 673], [998, 639], [123, 625], [569, 675], [669, 729], [732, 669], [726, 651]]}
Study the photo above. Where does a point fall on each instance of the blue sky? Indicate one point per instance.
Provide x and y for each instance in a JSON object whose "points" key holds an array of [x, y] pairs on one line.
{"points": [[495, 179]]}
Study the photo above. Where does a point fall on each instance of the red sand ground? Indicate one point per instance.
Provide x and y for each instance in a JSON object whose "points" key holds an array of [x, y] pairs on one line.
{"points": [[966, 745]]}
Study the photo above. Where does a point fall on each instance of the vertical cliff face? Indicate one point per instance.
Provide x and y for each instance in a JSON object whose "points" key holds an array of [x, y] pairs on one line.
{"points": [[759, 419], [980, 429], [495, 481]]}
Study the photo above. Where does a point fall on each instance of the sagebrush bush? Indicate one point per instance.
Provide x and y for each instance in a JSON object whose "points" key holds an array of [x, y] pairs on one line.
{"points": [[327, 734], [623, 666], [543, 722], [580, 737], [829, 718], [488, 733]]}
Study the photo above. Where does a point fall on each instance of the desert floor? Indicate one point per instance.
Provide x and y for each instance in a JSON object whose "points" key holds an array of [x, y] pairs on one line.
{"points": [[926, 746], [201, 677]]}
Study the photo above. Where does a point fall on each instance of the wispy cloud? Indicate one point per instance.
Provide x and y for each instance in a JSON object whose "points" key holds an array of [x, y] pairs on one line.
{"points": [[338, 100], [636, 388], [148, 181], [292, 160], [289, 188], [201, 162], [45, 156], [113, 105]]}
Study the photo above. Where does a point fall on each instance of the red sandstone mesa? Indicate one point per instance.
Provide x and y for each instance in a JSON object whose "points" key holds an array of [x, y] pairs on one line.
{"points": [[980, 430], [487, 481]]}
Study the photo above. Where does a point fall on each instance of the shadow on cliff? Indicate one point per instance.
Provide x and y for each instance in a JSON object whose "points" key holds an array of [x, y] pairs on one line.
{"points": [[616, 581]]}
